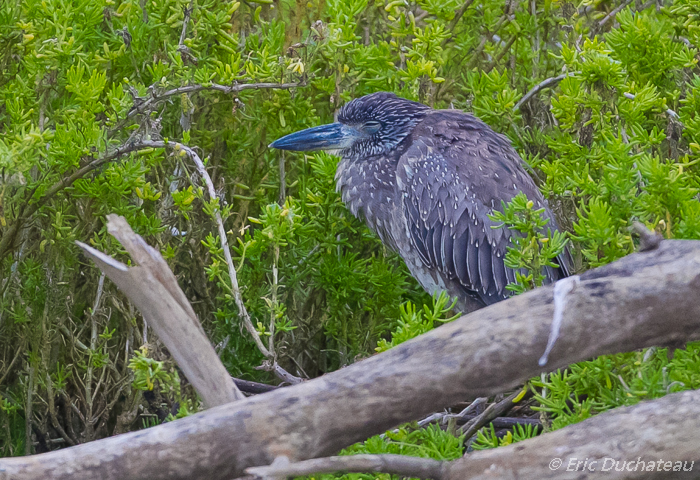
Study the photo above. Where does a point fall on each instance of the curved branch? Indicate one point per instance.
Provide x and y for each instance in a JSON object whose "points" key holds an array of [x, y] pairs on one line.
{"points": [[548, 83], [155, 98], [29, 209]]}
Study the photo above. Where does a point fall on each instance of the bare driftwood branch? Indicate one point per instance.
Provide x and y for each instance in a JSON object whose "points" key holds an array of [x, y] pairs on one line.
{"points": [[396, 464], [648, 240], [652, 439], [153, 289], [649, 440], [641, 300]]}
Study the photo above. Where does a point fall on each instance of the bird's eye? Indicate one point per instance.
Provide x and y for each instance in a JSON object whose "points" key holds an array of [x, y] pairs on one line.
{"points": [[372, 126]]}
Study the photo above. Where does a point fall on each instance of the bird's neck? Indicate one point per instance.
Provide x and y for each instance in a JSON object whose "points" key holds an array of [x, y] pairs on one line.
{"points": [[367, 187]]}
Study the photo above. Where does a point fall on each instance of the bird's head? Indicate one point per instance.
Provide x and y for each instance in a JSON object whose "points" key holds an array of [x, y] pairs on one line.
{"points": [[370, 125]]}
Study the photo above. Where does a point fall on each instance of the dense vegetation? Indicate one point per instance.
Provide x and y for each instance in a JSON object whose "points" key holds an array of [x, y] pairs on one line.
{"points": [[614, 138]]}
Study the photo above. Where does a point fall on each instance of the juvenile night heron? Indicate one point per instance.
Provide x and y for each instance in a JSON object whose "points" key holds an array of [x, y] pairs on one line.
{"points": [[425, 181]]}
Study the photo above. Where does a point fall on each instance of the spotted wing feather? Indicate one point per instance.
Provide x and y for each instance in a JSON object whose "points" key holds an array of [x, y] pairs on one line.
{"points": [[454, 173]]}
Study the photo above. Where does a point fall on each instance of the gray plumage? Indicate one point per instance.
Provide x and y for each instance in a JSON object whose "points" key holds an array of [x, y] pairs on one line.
{"points": [[425, 181]]}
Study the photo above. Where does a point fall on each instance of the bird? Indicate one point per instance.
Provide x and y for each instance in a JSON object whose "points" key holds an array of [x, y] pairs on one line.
{"points": [[425, 181]]}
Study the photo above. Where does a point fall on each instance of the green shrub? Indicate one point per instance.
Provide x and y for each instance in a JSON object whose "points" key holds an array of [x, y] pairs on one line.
{"points": [[616, 140]]}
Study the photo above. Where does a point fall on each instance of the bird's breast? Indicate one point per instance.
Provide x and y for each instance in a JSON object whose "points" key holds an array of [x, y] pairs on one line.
{"points": [[368, 189]]}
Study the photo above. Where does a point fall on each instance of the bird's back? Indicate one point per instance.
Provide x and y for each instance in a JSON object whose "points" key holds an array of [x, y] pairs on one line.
{"points": [[452, 172]]}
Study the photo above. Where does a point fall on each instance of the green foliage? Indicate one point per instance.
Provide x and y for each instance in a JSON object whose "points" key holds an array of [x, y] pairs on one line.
{"points": [[533, 250], [487, 438], [337, 282], [415, 322], [617, 140], [149, 372], [430, 442], [610, 381]]}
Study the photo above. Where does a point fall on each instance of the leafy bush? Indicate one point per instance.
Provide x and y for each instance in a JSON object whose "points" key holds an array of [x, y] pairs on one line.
{"points": [[85, 84]]}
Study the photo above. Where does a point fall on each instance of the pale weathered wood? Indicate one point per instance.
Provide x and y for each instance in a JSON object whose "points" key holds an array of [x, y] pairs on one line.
{"points": [[153, 289], [396, 464], [641, 300], [665, 432], [655, 439]]}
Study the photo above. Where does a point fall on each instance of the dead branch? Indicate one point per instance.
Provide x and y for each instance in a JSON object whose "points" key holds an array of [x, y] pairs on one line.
{"points": [[609, 17], [253, 388], [651, 438], [658, 441], [396, 464], [243, 315], [153, 289], [493, 411], [648, 240], [641, 300], [548, 83], [156, 98]]}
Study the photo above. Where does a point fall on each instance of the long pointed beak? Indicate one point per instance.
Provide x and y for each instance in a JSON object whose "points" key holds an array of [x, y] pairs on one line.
{"points": [[334, 136]]}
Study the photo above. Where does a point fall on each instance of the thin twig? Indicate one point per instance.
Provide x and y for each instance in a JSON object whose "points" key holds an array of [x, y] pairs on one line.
{"points": [[185, 22], [283, 181], [156, 98], [441, 417], [669, 112], [235, 289], [610, 16], [89, 397], [273, 301], [52, 412], [80, 345], [505, 422], [485, 38], [12, 363], [185, 52], [500, 55], [458, 16], [550, 82], [28, 412], [143, 9], [494, 410], [395, 464], [281, 373]]}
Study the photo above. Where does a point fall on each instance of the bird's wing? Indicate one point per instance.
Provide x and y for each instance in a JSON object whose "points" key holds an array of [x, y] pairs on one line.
{"points": [[455, 172]]}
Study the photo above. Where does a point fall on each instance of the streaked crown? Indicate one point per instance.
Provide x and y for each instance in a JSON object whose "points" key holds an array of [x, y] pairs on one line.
{"points": [[383, 119]]}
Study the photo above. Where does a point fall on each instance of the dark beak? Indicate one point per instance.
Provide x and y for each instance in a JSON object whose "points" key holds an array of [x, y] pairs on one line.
{"points": [[334, 136]]}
